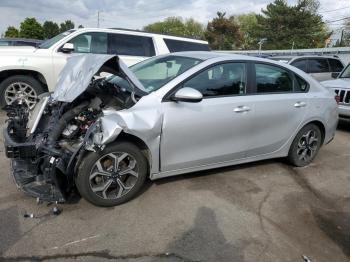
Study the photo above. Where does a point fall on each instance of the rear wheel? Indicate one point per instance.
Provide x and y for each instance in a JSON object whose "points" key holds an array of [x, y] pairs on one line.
{"points": [[20, 86], [305, 145], [112, 176]]}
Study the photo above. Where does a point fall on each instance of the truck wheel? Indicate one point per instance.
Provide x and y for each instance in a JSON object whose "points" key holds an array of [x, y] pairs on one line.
{"points": [[112, 176], [20, 86]]}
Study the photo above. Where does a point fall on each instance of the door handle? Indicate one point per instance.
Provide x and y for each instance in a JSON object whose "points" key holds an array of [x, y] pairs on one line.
{"points": [[299, 104], [241, 109]]}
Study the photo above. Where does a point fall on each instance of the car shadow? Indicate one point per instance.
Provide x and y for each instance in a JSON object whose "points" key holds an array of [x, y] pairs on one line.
{"points": [[344, 125]]}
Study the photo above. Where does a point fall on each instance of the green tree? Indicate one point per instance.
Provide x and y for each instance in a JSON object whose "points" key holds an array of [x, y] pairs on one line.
{"points": [[68, 24], [12, 31], [223, 33], [344, 39], [80, 26], [31, 28], [248, 26], [177, 26], [285, 26], [50, 29]]}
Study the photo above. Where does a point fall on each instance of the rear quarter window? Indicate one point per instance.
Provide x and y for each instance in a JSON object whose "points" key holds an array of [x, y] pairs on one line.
{"points": [[179, 46], [336, 65]]}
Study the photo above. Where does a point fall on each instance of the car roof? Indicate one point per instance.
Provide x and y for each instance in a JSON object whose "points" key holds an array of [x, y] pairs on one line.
{"points": [[206, 55], [141, 33], [305, 56]]}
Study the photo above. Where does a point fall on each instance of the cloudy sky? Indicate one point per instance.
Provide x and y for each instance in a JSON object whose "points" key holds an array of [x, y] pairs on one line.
{"points": [[135, 14]]}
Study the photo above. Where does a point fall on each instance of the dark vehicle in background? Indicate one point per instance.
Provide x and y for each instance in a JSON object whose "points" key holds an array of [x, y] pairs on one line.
{"points": [[319, 67], [19, 42]]}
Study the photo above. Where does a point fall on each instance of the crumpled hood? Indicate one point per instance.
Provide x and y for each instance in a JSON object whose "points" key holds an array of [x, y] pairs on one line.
{"points": [[337, 83], [76, 76]]}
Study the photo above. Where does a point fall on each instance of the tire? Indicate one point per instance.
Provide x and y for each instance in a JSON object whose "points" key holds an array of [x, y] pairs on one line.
{"points": [[305, 145], [33, 88], [101, 185]]}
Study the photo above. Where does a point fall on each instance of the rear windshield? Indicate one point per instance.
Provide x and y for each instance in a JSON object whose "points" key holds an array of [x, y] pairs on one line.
{"points": [[179, 46]]}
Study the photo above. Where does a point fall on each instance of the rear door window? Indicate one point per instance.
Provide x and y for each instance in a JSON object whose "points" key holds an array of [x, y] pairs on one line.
{"points": [[132, 45], [301, 64], [272, 79], [318, 65], [179, 46], [336, 65]]}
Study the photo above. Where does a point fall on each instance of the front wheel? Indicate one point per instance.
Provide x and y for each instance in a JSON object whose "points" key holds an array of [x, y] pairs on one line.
{"points": [[20, 86], [113, 176], [305, 145]]}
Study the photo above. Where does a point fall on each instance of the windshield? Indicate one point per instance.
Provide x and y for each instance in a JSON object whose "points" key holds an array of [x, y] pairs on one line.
{"points": [[155, 72], [346, 72], [50, 42]]}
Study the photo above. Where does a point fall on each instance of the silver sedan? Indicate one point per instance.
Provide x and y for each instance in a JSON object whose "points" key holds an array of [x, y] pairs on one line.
{"points": [[166, 116]]}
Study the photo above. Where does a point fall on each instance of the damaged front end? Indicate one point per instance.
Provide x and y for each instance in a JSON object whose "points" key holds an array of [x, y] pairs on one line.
{"points": [[46, 145]]}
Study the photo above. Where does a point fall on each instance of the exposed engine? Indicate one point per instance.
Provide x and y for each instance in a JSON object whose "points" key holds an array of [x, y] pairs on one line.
{"points": [[44, 161]]}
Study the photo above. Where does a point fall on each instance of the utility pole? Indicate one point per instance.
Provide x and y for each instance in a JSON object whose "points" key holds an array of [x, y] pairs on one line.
{"points": [[260, 43], [341, 37], [98, 19]]}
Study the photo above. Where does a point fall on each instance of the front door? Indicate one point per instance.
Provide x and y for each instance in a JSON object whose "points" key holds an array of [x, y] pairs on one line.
{"points": [[215, 130]]}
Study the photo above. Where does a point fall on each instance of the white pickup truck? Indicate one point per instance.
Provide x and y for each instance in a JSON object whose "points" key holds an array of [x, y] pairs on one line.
{"points": [[27, 72]]}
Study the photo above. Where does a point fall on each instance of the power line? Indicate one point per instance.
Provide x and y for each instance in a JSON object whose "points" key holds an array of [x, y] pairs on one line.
{"points": [[328, 11], [344, 18]]}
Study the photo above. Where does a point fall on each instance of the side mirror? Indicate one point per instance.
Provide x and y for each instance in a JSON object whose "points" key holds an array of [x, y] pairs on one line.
{"points": [[335, 75], [67, 48], [188, 94]]}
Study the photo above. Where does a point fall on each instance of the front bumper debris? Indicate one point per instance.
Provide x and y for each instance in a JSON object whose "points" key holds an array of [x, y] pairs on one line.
{"points": [[27, 171]]}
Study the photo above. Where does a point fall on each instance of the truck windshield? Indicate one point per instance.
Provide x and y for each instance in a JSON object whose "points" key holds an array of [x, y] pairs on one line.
{"points": [[50, 42]]}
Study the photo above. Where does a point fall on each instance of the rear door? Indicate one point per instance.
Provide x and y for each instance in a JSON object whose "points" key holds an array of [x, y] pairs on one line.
{"points": [[280, 105], [131, 48], [319, 69]]}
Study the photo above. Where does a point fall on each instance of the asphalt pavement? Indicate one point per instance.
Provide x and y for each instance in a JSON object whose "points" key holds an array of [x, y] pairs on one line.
{"points": [[265, 211]]}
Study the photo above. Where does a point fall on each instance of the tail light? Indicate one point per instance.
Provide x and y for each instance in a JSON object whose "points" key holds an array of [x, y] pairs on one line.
{"points": [[337, 99]]}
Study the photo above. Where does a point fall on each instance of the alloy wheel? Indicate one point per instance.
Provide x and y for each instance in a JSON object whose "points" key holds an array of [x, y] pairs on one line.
{"points": [[113, 175], [21, 90], [307, 145]]}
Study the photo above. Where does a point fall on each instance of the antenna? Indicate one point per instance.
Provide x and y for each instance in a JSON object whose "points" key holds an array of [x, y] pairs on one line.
{"points": [[98, 19]]}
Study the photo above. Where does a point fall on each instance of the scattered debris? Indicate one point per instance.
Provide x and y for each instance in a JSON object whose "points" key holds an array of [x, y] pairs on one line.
{"points": [[54, 211], [306, 259]]}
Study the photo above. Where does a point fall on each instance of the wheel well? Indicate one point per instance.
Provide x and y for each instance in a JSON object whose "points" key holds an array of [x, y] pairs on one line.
{"points": [[138, 142], [321, 127], [36, 75]]}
